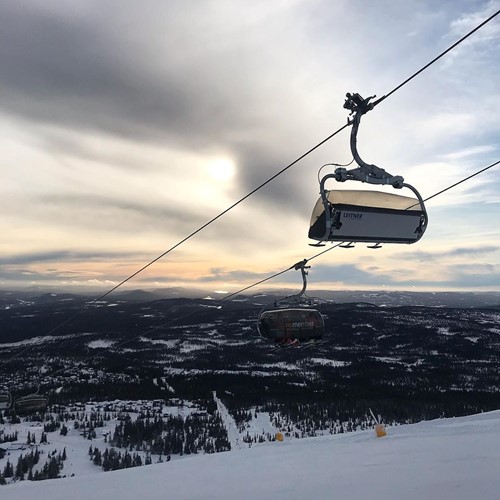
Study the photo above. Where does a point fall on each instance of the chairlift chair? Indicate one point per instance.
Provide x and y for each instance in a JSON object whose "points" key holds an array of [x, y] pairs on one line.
{"points": [[5, 400], [367, 217], [292, 320], [357, 216], [31, 403]]}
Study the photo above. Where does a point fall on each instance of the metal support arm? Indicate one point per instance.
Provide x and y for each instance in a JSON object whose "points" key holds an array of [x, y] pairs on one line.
{"points": [[297, 297], [370, 174]]}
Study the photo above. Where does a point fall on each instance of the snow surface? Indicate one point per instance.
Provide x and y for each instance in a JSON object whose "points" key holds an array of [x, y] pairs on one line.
{"points": [[98, 344], [329, 362], [44, 339], [445, 331], [457, 458]]}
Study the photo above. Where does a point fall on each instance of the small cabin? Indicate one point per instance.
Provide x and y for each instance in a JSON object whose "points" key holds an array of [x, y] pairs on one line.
{"points": [[368, 216]]}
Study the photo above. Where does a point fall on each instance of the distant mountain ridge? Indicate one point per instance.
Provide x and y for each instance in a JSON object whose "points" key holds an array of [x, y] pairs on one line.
{"points": [[378, 298]]}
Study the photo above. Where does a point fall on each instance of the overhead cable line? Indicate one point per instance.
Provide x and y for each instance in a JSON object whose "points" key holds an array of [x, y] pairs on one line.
{"points": [[340, 243], [175, 320], [259, 187], [463, 180], [450, 48], [258, 283], [294, 266], [224, 212]]}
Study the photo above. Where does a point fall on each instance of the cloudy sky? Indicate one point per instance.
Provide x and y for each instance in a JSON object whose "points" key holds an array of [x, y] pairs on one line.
{"points": [[126, 125]]}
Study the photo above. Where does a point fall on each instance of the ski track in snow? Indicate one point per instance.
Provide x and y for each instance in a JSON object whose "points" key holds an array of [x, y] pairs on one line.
{"points": [[229, 423]]}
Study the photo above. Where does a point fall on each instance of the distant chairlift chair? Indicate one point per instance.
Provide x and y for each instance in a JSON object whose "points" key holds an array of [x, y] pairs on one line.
{"points": [[5, 400], [31, 403], [292, 320]]}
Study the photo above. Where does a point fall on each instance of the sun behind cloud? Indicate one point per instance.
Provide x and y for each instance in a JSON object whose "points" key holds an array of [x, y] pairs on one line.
{"points": [[221, 169]]}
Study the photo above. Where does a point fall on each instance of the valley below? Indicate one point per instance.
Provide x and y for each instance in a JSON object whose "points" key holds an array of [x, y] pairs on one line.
{"points": [[160, 379]]}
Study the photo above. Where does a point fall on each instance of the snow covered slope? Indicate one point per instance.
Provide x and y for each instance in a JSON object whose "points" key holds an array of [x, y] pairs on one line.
{"points": [[456, 459]]}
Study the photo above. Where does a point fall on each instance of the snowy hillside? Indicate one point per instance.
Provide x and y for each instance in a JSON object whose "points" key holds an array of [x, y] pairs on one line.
{"points": [[457, 458]]}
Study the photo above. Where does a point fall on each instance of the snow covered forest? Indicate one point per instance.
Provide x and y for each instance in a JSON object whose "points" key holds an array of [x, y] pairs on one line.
{"points": [[119, 399]]}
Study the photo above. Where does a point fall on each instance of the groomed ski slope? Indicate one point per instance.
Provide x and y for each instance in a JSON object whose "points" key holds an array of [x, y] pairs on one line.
{"points": [[447, 459]]}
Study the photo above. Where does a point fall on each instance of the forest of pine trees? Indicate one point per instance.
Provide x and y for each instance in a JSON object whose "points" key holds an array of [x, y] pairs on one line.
{"points": [[112, 459], [8, 438], [173, 434], [24, 469]]}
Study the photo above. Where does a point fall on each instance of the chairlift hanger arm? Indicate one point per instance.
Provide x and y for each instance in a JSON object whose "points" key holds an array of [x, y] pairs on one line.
{"points": [[370, 174], [302, 267]]}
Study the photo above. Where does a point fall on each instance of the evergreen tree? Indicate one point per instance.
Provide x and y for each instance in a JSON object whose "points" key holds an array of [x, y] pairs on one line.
{"points": [[53, 469], [97, 457], [8, 470], [137, 462], [19, 474]]}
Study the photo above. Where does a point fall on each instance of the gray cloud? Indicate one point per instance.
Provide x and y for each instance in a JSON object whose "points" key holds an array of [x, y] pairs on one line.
{"points": [[220, 274], [149, 75], [464, 277], [129, 71], [347, 273], [422, 256], [476, 277], [183, 76], [76, 73], [64, 255], [134, 217], [103, 213], [15, 276]]}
